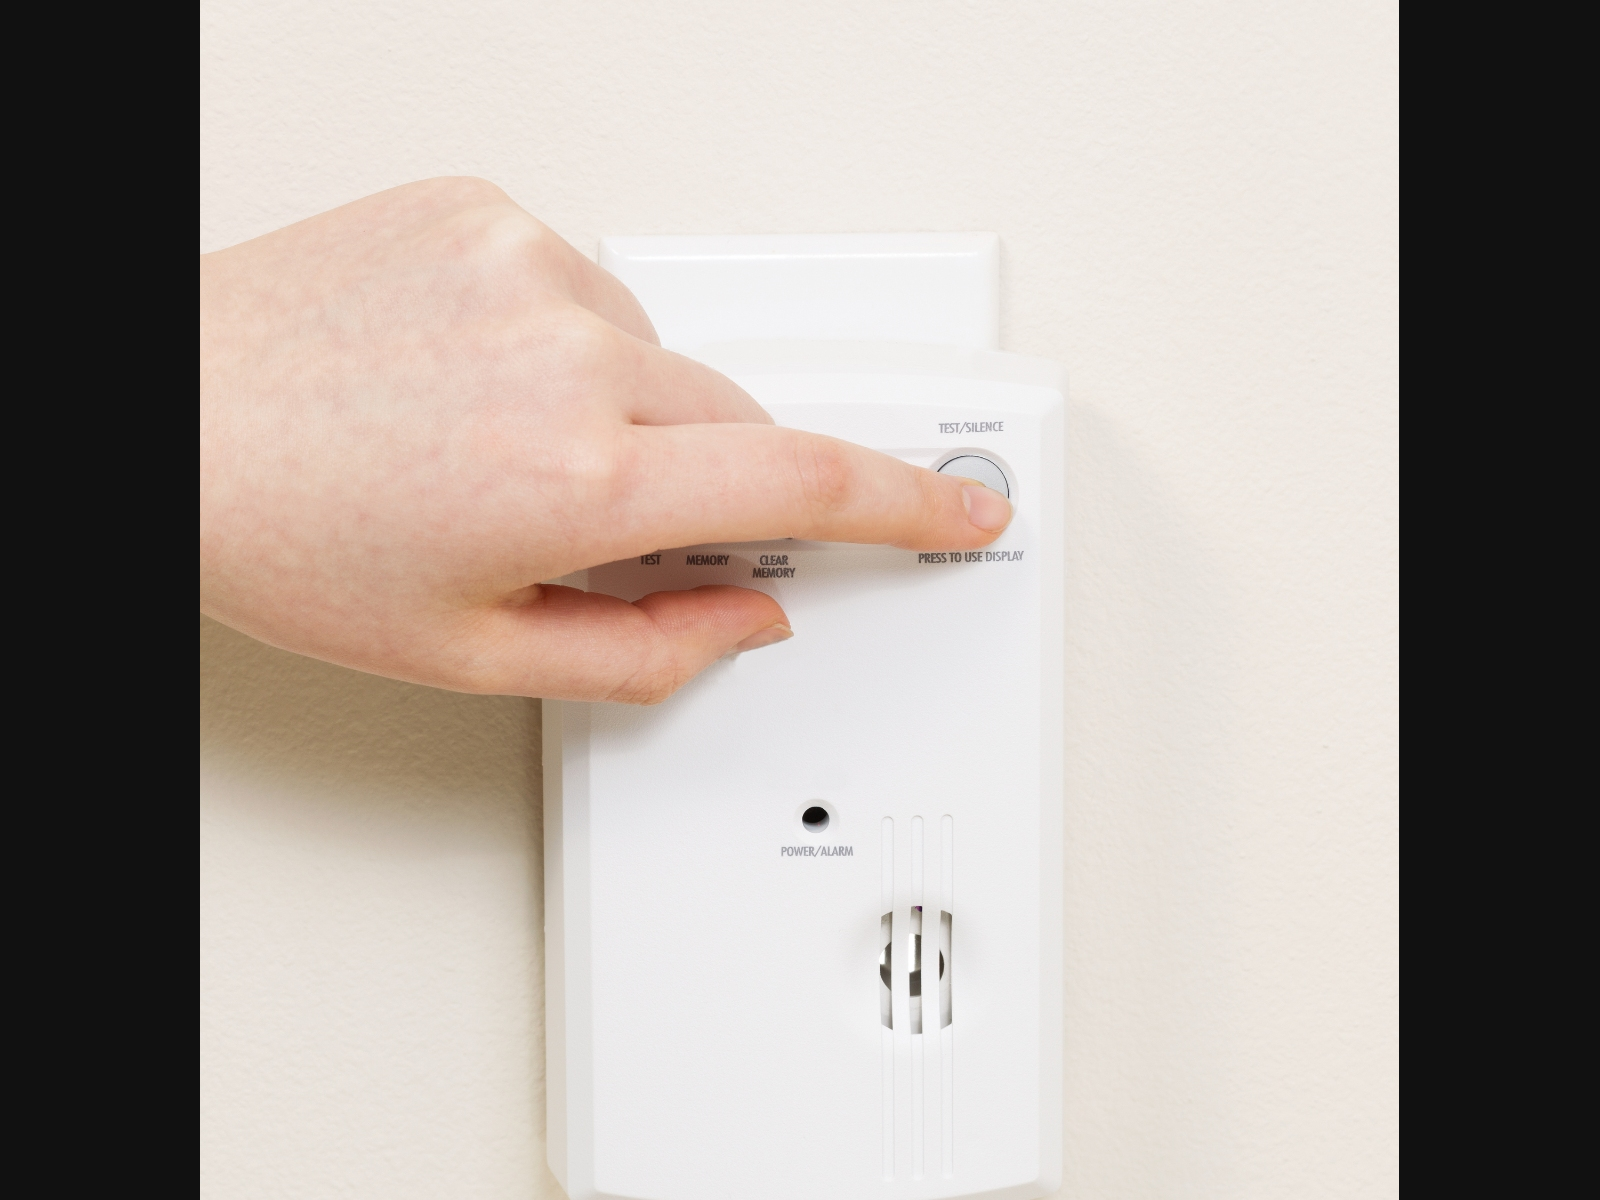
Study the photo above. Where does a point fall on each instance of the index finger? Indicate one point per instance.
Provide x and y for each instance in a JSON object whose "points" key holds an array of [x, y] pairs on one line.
{"points": [[693, 484]]}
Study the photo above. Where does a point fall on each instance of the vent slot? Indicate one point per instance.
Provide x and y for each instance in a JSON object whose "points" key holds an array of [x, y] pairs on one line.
{"points": [[945, 930], [916, 969], [886, 970], [885, 991], [914, 988], [947, 965]]}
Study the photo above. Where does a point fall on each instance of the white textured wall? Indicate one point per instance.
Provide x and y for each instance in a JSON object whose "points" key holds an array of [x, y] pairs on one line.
{"points": [[1197, 204]]}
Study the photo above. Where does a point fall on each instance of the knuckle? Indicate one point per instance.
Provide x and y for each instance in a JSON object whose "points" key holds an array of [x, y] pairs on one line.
{"points": [[531, 240], [448, 195], [645, 690], [504, 235], [518, 258], [470, 190], [933, 497], [584, 347], [495, 236], [657, 676], [587, 476], [527, 245], [470, 656], [826, 474]]}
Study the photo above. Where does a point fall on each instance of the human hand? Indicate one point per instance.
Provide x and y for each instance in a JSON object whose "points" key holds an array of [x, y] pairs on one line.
{"points": [[416, 407]]}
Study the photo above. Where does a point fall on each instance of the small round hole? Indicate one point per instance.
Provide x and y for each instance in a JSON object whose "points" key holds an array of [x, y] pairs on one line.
{"points": [[815, 818]]}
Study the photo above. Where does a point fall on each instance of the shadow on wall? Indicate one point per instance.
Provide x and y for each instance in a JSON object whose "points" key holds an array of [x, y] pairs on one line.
{"points": [[1152, 632], [355, 739], [371, 908]]}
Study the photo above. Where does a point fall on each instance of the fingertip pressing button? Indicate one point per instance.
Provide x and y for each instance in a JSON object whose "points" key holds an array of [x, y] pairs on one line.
{"points": [[984, 470], [986, 508]]}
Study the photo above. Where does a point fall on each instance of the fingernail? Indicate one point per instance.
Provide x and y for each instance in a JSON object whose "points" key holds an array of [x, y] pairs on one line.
{"points": [[772, 633], [986, 509]]}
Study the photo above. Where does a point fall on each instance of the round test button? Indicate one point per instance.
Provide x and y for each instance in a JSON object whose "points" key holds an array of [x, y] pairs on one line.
{"points": [[985, 471]]}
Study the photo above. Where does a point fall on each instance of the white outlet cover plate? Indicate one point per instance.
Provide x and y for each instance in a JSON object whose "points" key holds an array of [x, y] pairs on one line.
{"points": [[934, 288]]}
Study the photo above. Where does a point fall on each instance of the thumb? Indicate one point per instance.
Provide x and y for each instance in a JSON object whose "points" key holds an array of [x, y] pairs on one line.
{"points": [[566, 644]]}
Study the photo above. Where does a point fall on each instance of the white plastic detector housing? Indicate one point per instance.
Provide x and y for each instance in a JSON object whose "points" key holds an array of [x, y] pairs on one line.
{"points": [[803, 920]]}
